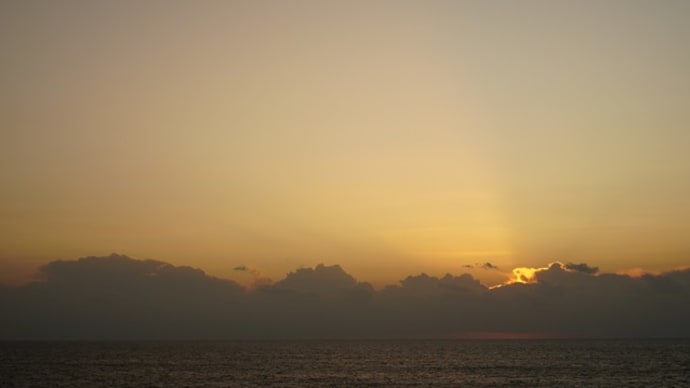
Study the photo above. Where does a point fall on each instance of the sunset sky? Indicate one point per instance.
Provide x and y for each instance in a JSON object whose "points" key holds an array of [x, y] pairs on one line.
{"points": [[389, 137]]}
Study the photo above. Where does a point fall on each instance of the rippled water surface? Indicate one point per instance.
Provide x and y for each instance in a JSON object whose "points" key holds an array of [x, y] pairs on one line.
{"points": [[347, 363]]}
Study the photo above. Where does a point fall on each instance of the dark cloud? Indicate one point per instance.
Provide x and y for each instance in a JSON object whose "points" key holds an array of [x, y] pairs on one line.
{"points": [[488, 265], [117, 297], [582, 267], [321, 281]]}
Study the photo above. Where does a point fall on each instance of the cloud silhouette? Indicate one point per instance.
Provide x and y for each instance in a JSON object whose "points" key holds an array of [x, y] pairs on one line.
{"points": [[488, 265], [117, 297], [582, 267]]}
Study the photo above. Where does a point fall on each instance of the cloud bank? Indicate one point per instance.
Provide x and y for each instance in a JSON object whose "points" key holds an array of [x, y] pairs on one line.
{"points": [[117, 297]]}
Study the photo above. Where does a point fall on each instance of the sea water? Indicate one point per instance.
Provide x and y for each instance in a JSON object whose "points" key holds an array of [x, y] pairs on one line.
{"points": [[576, 363]]}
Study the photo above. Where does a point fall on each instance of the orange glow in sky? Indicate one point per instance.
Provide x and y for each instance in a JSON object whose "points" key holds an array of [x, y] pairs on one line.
{"points": [[389, 137]]}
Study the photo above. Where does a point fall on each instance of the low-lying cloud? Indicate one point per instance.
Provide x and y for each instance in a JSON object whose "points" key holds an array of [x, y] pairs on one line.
{"points": [[582, 267], [117, 297]]}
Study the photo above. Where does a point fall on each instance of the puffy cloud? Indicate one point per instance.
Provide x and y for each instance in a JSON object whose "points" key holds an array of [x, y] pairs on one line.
{"points": [[553, 270], [319, 280], [120, 297]]}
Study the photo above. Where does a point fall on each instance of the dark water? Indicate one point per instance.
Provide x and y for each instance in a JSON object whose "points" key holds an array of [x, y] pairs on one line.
{"points": [[347, 363]]}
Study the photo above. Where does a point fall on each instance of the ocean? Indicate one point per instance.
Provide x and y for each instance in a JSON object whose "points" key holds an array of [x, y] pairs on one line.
{"points": [[531, 363]]}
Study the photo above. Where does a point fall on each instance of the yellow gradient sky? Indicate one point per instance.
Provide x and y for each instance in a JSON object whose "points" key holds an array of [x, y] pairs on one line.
{"points": [[391, 137]]}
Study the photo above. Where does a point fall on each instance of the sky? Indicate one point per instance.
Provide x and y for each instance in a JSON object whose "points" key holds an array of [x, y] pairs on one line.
{"points": [[388, 137]]}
